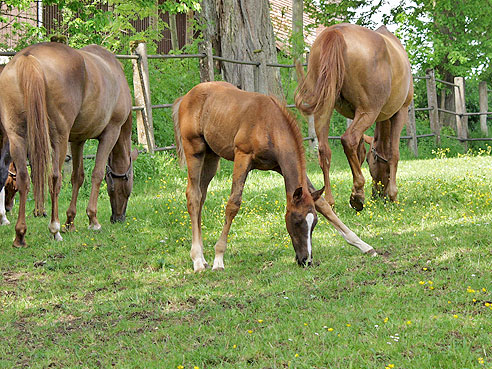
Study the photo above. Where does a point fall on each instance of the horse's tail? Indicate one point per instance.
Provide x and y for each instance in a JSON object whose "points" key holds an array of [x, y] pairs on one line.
{"points": [[177, 132], [32, 84], [325, 76]]}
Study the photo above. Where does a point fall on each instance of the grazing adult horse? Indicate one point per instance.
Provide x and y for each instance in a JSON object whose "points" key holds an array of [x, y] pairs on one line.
{"points": [[365, 75], [215, 120], [51, 94]]}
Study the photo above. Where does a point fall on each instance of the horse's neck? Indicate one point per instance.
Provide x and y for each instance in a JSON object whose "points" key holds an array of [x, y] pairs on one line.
{"points": [[293, 171]]}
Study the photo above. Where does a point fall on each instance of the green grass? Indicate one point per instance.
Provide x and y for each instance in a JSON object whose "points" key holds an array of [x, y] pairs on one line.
{"points": [[127, 296]]}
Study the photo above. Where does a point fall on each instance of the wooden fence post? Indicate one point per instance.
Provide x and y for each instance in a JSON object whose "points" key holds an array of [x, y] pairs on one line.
{"points": [[412, 130], [313, 144], [430, 82], [459, 99], [141, 87], [206, 63], [484, 107]]}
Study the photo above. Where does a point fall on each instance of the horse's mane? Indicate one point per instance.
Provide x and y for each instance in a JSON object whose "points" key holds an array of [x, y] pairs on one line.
{"points": [[293, 126]]}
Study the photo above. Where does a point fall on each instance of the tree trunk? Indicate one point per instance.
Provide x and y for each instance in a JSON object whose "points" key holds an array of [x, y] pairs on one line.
{"points": [[242, 30]]}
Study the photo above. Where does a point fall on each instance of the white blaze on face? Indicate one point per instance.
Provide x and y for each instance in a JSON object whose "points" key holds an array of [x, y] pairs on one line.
{"points": [[309, 221]]}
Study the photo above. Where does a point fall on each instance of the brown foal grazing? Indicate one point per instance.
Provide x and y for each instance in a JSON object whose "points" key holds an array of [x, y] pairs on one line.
{"points": [[215, 120], [365, 75], [51, 94]]}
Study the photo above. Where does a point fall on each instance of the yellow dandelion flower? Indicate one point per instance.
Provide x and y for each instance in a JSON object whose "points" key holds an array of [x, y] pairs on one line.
{"points": [[180, 367], [455, 316], [348, 324], [260, 320], [297, 355], [250, 331], [234, 346], [421, 282], [330, 329], [386, 320], [409, 322]]}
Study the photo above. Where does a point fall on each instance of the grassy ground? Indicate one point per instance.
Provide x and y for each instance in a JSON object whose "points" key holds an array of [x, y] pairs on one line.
{"points": [[127, 296]]}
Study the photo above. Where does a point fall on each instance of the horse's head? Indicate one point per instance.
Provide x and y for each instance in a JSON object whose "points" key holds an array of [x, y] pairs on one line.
{"points": [[10, 187], [301, 218], [378, 167], [119, 188]]}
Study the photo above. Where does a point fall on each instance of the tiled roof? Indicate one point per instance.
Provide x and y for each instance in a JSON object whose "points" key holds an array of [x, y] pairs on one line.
{"points": [[281, 15]]}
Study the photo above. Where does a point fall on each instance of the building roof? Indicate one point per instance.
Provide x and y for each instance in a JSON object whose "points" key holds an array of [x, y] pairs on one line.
{"points": [[281, 15]]}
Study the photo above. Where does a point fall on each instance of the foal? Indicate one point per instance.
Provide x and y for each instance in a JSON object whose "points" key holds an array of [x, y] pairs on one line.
{"points": [[216, 119]]}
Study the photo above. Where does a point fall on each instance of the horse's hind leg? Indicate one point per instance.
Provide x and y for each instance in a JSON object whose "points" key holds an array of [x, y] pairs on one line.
{"points": [[195, 151], [18, 151], [59, 153], [77, 180], [242, 166], [397, 123], [350, 141], [322, 126]]}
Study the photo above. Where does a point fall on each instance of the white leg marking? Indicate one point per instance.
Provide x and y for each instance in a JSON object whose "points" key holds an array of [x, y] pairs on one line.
{"points": [[55, 231], [309, 221], [3, 213]]}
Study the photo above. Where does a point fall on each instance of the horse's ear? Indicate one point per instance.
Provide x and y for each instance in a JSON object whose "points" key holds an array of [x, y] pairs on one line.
{"points": [[297, 196], [134, 154], [317, 194]]}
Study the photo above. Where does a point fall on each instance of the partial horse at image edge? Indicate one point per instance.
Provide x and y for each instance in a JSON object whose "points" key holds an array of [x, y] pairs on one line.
{"points": [[85, 94]]}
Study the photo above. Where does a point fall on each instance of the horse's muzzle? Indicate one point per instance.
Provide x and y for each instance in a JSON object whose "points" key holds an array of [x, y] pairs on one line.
{"points": [[303, 262]]}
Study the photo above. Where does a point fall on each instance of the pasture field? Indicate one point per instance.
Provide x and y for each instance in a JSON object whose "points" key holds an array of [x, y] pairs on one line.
{"points": [[127, 296]]}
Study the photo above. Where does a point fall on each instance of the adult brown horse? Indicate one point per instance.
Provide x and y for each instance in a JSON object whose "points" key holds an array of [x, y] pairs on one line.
{"points": [[215, 120], [51, 94], [365, 75]]}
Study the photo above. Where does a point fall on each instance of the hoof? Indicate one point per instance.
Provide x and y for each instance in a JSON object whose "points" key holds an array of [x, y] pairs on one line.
{"points": [[68, 227], [199, 266], [57, 237], [5, 222], [19, 244], [371, 252], [95, 227], [40, 213], [357, 203], [218, 268]]}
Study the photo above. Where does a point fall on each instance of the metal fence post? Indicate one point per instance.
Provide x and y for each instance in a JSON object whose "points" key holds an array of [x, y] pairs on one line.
{"points": [[412, 130], [141, 87], [484, 107], [430, 82]]}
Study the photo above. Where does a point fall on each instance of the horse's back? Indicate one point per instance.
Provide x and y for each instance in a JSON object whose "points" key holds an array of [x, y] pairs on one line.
{"points": [[224, 116], [377, 74], [106, 96]]}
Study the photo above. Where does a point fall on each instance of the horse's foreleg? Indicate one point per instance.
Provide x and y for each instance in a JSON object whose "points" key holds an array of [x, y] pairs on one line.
{"points": [[397, 123], [3, 216], [77, 149], [59, 153], [242, 166], [324, 208], [106, 143], [350, 141], [322, 125]]}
